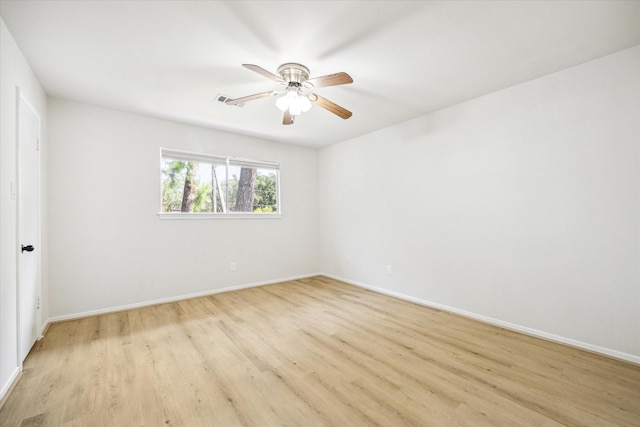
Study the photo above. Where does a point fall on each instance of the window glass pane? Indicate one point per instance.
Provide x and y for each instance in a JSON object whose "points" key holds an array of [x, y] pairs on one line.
{"points": [[196, 183], [266, 191], [189, 186], [253, 189]]}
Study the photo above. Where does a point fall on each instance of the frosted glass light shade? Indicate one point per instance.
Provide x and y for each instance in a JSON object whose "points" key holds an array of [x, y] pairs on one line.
{"points": [[305, 104], [294, 102], [284, 101]]}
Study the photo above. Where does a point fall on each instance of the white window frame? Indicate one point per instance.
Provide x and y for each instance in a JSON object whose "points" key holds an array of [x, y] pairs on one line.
{"points": [[175, 154]]}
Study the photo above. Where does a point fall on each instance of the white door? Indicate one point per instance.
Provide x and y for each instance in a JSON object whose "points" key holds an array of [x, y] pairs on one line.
{"points": [[28, 226]]}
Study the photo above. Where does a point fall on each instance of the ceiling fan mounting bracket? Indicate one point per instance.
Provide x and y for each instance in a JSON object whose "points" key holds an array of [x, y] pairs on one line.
{"points": [[292, 72]]}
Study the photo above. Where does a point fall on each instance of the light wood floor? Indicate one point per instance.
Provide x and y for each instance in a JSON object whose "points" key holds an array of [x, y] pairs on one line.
{"points": [[311, 352]]}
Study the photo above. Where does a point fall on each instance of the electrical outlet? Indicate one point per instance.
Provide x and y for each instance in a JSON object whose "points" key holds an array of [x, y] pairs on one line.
{"points": [[389, 270], [232, 266]]}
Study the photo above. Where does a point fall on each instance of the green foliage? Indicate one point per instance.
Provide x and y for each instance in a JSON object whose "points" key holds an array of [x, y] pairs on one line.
{"points": [[265, 193], [202, 201], [266, 209], [174, 173]]}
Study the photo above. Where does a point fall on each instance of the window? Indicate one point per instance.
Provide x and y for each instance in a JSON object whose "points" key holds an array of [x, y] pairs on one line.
{"points": [[201, 185]]}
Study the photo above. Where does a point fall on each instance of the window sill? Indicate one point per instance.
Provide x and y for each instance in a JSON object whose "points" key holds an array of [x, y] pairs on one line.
{"points": [[182, 216]]}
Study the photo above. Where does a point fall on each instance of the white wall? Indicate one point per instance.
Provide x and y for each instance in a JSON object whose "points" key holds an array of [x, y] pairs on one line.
{"points": [[14, 72], [108, 246], [522, 206]]}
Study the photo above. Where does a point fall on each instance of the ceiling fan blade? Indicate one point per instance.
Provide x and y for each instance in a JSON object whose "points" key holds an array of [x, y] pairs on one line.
{"points": [[250, 97], [330, 106], [329, 80], [287, 119], [263, 72]]}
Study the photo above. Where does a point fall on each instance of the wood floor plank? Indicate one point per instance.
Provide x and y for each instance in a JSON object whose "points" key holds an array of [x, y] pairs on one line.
{"points": [[313, 352]]}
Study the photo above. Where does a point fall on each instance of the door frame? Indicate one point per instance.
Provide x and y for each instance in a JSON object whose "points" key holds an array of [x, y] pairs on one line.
{"points": [[22, 100]]}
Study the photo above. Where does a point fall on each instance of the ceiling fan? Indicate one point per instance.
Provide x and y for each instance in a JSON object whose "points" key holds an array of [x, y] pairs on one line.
{"points": [[295, 99]]}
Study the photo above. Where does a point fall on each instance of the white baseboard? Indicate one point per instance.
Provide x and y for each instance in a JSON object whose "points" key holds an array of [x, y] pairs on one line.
{"points": [[511, 326], [7, 386], [169, 299]]}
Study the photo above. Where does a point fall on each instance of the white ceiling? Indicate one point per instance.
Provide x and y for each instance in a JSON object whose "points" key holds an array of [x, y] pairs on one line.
{"points": [[170, 59]]}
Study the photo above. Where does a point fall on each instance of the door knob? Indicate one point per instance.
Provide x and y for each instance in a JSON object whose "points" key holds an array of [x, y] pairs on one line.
{"points": [[28, 248]]}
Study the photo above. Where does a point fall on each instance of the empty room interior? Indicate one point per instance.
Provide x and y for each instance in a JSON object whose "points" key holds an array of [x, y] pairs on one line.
{"points": [[315, 213]]}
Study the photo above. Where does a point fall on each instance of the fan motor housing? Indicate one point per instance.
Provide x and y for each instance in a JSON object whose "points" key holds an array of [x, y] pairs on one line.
{"points": [[293, 72]]}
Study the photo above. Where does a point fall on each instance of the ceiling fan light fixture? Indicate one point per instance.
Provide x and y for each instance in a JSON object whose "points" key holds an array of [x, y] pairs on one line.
{"points": [[295, 102], [283, 102], [300, 104]]}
